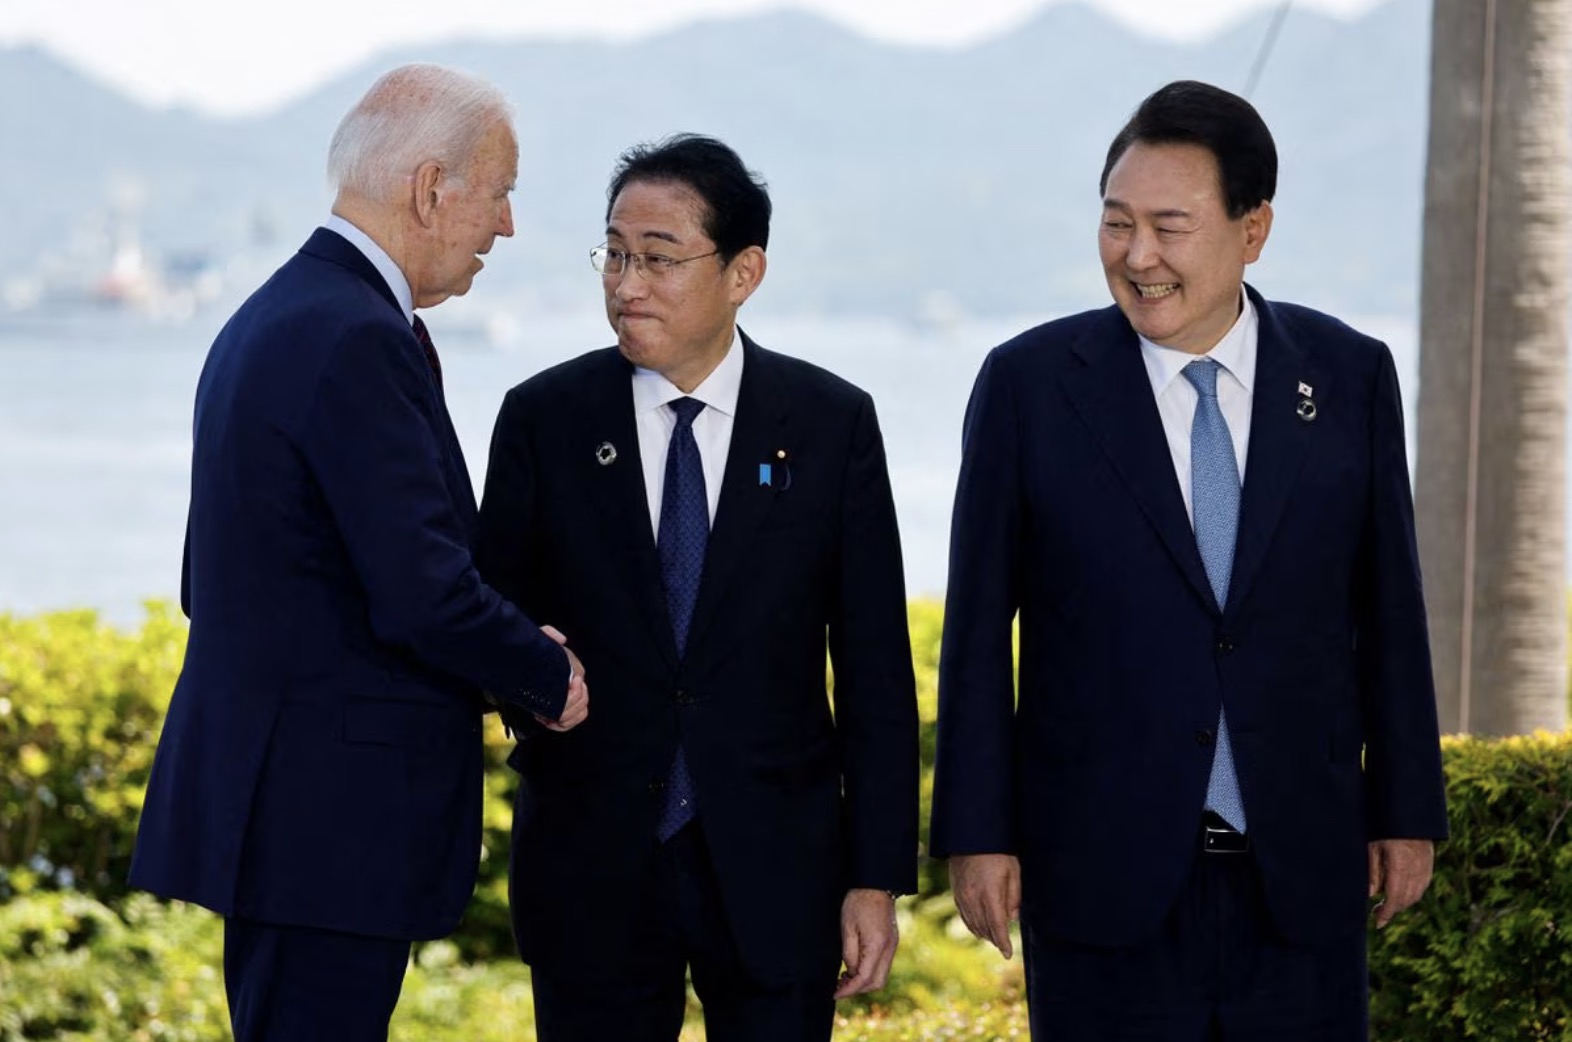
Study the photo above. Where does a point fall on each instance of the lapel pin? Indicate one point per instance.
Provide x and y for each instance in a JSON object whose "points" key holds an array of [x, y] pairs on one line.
{"points": [[605, 454], [778, 478], [1306, 407]]}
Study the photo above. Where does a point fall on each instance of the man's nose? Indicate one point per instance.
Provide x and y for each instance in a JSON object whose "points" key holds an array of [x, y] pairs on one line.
{"points": [[1142, 252], [632, 284], [505, 226]]}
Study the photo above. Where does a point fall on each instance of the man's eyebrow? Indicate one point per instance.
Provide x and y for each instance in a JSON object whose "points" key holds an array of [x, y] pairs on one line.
{"points": [[611, 229], [1172, 212]]}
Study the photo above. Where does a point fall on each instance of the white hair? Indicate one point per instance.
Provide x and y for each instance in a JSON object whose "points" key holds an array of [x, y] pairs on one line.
{"points": [[413, 115]]}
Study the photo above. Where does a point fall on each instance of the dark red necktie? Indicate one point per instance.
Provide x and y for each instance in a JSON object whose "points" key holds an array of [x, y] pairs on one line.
{"points": [[424, 336]]}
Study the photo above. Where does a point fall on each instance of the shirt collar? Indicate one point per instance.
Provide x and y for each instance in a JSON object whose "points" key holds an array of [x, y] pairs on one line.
{"points": [[719, 390], [1235, 352], [390, 272]]}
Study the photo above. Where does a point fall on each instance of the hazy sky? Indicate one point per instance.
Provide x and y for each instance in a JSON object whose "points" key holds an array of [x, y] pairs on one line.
{"points": [[231, 57]]}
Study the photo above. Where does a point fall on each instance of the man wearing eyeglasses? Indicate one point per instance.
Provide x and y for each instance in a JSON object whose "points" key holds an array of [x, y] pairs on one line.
{"points": [[703, 518]]}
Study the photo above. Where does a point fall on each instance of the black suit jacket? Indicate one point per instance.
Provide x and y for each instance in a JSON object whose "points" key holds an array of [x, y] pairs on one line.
{"points": [[320, 764], [797, 804], [1068, 512]]}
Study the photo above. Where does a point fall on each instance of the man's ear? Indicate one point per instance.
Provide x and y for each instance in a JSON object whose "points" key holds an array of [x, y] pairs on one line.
{"points": [[744, 274], [1258, 226], [427, 187]]}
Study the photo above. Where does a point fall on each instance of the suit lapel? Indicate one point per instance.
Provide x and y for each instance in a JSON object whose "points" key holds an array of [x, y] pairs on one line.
{"points": [[618, 498], [757, 432], [1113, 395], [1278, 443]]}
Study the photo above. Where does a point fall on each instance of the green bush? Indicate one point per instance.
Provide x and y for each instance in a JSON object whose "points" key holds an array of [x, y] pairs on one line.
{"points": [[1488, 953], [81, 704], [71, 968]]}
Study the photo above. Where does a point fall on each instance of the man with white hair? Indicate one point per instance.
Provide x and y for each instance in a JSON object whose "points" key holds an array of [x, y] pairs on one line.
{"points": [[318, 781]]}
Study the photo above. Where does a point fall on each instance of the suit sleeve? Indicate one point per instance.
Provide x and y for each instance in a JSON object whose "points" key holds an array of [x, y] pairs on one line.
{"points": [[875, 692], [371, 441], [973, 795], [1405, 787]]}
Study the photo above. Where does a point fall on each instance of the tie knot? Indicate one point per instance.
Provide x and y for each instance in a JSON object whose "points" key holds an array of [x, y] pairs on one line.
{"points": [[687, 410], [421, 332], [1202, 374]]}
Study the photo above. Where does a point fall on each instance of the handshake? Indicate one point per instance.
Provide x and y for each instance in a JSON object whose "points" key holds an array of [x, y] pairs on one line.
{"points": [[576, 709]]}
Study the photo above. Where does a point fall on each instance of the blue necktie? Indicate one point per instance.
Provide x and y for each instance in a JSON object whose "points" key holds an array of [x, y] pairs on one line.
{"points": [[1214, 494], [684, 531]]}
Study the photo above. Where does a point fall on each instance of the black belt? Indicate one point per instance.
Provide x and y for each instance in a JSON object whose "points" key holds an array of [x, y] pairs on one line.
{"points": [[1219, 837]]}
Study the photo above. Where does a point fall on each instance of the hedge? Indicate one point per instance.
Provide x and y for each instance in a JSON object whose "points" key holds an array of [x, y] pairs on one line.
{"points": [[1487, 954], [72, 968]]}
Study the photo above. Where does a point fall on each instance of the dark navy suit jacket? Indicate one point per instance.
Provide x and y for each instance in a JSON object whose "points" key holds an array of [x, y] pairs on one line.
{"points": [[797, 804], [321, 761], [1069, 513]]}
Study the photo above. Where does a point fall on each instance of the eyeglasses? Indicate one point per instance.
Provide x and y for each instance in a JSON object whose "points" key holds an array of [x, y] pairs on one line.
{"points": [[653, 266]]}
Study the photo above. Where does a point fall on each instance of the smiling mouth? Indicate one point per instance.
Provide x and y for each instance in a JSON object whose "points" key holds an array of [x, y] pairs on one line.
{"points": [[1155, 290]]}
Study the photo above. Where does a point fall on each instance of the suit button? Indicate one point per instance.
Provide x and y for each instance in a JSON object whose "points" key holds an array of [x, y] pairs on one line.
{"points": [[1225, 646], [1204, 737], [681, 697], [657, 785]]}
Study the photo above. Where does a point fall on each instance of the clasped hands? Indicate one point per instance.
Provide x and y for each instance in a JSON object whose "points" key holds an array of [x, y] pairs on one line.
{"points": [[576, 708]]}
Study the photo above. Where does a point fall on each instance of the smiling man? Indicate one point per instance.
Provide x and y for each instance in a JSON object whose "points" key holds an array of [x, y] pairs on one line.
{"points": [[318, 780], [704, 517], [1224, 740]]}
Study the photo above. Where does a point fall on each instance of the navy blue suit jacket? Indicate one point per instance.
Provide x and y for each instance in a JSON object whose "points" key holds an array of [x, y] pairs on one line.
{"points": [[321, 760], [1069, 513], [796, 804]]}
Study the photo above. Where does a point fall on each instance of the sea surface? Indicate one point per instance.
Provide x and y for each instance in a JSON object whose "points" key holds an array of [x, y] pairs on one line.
{"points": [[95, 421]]}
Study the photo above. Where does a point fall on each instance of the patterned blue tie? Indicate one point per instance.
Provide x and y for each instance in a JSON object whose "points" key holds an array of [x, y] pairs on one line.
{"points": [[684, 531], [1214, 493]]}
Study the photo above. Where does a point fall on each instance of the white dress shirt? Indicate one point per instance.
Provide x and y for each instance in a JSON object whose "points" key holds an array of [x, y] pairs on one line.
{"points": [[390, 272], [711, 428], [1177, 397]]}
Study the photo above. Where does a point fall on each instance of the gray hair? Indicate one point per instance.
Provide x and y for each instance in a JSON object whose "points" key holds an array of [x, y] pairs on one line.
{"points": [[412, 115]]}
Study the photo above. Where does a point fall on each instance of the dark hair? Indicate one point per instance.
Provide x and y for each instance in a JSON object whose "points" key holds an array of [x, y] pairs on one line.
{"points": [[736, 202], [1191, 113]]}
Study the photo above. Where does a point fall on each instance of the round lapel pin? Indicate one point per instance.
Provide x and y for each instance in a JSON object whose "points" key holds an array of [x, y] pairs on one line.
{"points": [[605, 454]]}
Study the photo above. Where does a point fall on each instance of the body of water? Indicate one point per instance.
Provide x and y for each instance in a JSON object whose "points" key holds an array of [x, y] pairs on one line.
{"points": [[95, 422]]}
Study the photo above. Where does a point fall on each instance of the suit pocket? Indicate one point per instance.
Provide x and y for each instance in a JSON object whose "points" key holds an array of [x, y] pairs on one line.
{"points": [[406, 725]]}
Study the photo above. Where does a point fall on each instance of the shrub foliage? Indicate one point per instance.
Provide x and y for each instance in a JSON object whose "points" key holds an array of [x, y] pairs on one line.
{"points": [[1487, 955]]}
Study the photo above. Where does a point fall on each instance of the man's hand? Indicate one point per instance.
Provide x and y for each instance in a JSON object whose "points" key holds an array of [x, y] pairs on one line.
{"points": [[1400, 871], [868, 940], [576, 709], [987, 891]]}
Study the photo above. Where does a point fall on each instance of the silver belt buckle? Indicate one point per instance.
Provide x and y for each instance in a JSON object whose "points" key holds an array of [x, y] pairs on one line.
{"points": [[1224, 841]]}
